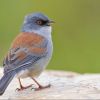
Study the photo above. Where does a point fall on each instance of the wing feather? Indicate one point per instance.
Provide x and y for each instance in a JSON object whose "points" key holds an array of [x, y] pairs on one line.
{"points": [[23, 56]]}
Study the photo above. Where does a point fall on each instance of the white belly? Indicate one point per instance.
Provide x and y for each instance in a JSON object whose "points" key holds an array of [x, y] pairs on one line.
{"points": [[38, 67]]}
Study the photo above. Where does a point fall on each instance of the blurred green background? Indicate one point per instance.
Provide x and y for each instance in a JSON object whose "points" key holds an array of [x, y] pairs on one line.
{"points": [[76, 33]]}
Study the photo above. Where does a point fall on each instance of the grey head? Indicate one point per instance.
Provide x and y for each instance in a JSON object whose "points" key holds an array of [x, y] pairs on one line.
{"points": [[35, 21]]}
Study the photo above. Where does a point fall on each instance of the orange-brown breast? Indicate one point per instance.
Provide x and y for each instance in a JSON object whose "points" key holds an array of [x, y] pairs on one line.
{"points": [[27, 40]]}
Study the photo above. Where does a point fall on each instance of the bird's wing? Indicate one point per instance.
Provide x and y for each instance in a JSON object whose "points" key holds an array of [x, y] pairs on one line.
{"points": [[26, 50]]}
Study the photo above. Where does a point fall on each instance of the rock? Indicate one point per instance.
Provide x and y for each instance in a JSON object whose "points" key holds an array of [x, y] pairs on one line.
{"points": [[64, 85]]}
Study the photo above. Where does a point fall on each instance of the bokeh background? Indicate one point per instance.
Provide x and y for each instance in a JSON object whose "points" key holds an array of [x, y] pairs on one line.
{"points": [[76, 33]]}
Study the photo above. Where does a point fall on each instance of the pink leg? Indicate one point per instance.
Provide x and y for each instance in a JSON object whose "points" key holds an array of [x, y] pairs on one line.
{"points": [[22, 87], [40, 86]]}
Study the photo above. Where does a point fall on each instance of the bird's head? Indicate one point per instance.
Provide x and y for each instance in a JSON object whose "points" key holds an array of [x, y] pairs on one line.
{"points": [[37, 22]]}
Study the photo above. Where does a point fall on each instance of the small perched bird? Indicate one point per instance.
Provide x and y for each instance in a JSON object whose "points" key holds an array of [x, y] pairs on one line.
{"points": [[30, 52]]}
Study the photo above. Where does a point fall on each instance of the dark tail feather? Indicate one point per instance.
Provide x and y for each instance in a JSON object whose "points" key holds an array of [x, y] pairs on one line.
{"points": [[5, 80]]}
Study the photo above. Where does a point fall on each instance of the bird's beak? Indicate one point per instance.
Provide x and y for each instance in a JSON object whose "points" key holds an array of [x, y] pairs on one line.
{"points": [[50, 22]]}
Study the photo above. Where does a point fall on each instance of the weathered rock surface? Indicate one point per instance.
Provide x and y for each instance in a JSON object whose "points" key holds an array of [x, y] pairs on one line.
{"points": [[64, 85]]}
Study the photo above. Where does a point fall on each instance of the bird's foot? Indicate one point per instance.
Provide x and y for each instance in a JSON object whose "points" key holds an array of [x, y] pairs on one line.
{"points": [[42, 87], [23, 88]]}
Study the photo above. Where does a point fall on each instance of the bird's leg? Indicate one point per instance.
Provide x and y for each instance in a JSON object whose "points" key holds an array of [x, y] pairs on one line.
{"points": [[22, 87], [40, 86]]}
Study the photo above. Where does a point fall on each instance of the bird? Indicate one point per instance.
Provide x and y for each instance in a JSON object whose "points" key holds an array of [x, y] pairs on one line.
{"points": [[30, 52]]}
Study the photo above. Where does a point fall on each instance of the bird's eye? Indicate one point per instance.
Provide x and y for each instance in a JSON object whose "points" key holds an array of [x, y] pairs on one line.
{"points": [[39, 22]]}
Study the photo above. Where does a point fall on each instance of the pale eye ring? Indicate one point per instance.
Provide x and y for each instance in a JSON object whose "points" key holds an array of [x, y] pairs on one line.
{"points": [[39, 22]]}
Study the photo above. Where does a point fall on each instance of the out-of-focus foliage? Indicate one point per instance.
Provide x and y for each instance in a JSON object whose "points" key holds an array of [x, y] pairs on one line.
{"points": [[76, 33]]}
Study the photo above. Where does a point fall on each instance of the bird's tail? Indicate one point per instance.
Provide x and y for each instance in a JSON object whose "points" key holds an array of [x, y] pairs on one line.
{"points": [[5, 80]]}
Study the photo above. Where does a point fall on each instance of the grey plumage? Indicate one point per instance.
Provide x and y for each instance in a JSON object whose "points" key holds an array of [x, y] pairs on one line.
{"points": [[11, 67], [5, 80], [30, 22], [31, 56]]}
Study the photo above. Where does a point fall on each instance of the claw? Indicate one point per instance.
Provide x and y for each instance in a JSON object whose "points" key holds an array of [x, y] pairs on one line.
{"points": [[42, 87], [23, 88]]}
